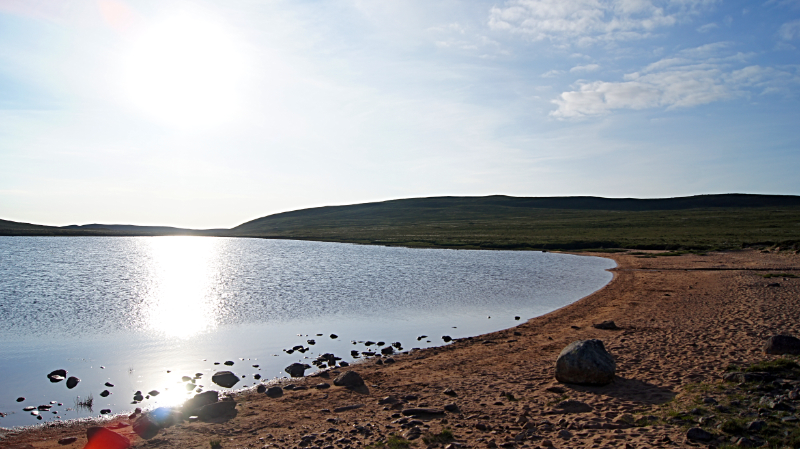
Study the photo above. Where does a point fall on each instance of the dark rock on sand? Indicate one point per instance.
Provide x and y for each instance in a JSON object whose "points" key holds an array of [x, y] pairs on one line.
{"points": [[274, 392], [145, 427], [322, 386], [422, 411], [217, 410], [225, 379], [450, 392], [585, 362], [67, 440], [297, 369], [57, 375], [782, 344], [100, 437], [698, 434], [261, 388], [348, 379], [344, 364], [452, 408], [193, 405], [72, 382], [572, 406], [606, 325]]}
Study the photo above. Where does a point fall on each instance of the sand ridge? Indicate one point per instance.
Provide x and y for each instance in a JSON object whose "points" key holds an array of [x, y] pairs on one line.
{"points": [[683, 319]]}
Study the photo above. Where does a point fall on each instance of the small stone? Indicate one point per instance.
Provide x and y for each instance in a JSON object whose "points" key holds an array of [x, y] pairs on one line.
{"points": [[322, 386], [565, 434], [216, 410], [105, 411], [334, 336], [229, 362], [450, 392], [20, 399], [104, 393], [72, 382], [447, 338], [57, 375], [782, 344], [109, 384], [585, 362], [154, 393], [606, 325], [67, 440], [297, 369], [698, 434]]}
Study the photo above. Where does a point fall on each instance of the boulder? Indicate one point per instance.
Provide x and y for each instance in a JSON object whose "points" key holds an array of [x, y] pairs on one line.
{"points": [[102, 438], [348, 379], [297, 369], [782, 344], [193, 405], [72, 382], [585, 362], [145, 427], [274, 392], [225, 379], [217, 410]]}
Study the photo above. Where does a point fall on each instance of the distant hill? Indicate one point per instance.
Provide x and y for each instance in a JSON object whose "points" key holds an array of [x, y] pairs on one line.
{"points": [[504, 222], [703, 221]]}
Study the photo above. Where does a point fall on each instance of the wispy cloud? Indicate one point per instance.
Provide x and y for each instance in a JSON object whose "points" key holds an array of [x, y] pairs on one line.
{"points": [[790, 30], [588, 21], [707, 27], [585, 68], [689, 78]]}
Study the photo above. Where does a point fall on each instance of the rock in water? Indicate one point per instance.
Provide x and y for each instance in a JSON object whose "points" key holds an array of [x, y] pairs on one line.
{"points": [[782, 344], [225, 379], [297, 369], [348, 379], [585, 362], [57, 375], [72, 382], [102, 438]]}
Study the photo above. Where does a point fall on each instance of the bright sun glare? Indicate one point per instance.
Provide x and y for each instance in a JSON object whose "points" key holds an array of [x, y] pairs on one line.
{"points": [[182, 302], [186, 71]]}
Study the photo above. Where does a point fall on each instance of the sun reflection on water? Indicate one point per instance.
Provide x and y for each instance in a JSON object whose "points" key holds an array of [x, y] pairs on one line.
{"points": [[182, 301]]}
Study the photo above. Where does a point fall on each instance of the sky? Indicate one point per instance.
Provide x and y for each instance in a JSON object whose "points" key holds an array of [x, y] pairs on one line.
{"points": [[207, 114]]}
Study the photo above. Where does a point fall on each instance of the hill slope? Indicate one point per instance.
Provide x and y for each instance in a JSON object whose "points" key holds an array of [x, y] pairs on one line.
{"points": [[705, 221]]}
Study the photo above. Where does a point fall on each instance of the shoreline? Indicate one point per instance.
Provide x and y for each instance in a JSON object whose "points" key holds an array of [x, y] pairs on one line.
{"points": [[683, 319]]}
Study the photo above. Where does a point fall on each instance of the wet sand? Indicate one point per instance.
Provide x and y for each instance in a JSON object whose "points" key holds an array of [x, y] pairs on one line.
{"points": [[683, 319]]}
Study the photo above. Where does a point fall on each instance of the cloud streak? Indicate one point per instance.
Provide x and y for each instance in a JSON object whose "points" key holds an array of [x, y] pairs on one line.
{"points": [[589, 21], [690, 78]]}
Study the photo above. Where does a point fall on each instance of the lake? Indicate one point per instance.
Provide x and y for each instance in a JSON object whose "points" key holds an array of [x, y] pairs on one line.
{"points": [[142, 312]]}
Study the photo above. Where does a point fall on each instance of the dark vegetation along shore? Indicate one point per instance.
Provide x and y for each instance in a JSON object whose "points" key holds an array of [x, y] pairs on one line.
{"points": [[704, 222]]}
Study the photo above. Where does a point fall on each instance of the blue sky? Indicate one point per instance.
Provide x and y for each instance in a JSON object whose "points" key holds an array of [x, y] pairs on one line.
{"points": [[209, 114]]}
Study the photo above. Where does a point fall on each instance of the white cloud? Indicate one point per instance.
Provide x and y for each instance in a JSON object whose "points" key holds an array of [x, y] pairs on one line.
{"points": [[789, 30], [588, 21], [584, 68], [689, 79], [707, 27], [552, 73]]}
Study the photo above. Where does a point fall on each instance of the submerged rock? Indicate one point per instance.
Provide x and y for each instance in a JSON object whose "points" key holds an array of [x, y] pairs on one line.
{"points": [[225, 379], [57, 375], [297, 369], [72, 382]]}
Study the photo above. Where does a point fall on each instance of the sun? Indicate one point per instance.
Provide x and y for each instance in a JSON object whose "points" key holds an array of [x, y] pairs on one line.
{"points": [[185, 71]]}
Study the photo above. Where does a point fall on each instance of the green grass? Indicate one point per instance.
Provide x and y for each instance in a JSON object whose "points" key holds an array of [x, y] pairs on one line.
{"points": [[673, 225], [445, 436], [777, 366]]}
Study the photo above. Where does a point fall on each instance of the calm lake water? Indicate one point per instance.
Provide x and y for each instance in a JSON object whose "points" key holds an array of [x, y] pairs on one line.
{"points": [[128, 310]]}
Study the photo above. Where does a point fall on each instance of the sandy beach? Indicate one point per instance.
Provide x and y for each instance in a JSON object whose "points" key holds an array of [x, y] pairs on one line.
{"points": [[682, 319]]}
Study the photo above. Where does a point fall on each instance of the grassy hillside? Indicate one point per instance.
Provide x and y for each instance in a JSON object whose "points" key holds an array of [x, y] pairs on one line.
{"points": [[501, 222], [700, 222]]}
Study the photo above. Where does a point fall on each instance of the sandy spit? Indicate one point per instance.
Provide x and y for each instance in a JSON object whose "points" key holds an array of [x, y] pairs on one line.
{"points": [[683, 320]]}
